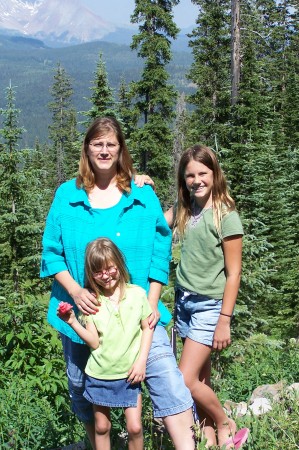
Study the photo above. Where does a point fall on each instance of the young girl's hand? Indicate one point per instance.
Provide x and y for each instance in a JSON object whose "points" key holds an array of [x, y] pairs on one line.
{"points": [[141, 180], [137, 372], [67, 316], [222, 337]]}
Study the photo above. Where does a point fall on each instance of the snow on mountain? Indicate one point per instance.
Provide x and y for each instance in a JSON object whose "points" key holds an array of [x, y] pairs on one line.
{"points": [[66, 21]]}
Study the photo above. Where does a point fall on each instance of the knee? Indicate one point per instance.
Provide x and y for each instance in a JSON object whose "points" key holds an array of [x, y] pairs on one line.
{"points": [[190, 383], [134, 429], [102, 427]]}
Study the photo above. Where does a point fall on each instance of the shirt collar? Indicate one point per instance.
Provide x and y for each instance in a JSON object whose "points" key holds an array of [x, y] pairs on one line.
{"points": [[79, 195]]}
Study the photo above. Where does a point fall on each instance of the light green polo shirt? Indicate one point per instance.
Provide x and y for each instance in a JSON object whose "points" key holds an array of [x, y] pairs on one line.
{"points": [[120, 334], [201, 267]]}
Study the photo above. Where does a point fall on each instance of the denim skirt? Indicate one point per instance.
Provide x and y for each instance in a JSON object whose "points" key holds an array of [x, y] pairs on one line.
{"points": [[111, 393]]}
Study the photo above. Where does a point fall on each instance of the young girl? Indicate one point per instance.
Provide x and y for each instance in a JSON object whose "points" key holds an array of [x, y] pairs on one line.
{"points": [[119, 337], [207, 279]]}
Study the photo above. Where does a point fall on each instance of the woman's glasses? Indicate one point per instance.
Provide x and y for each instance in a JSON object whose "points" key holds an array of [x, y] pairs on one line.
{"points": [[110, 272], [97, 147]]}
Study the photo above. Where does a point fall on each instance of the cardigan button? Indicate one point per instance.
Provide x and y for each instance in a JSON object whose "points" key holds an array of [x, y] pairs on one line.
{"points": [[118, 233]]}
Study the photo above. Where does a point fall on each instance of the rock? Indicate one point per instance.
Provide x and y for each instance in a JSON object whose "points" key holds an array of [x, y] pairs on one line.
{"points": [[260, 406], [293, 388], [267, 391], [235, 409]]}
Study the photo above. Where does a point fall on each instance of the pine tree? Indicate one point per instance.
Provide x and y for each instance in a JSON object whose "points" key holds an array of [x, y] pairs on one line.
{"points": [[62, 131], [258, 151], [210, 72], [284, 69], [290, 89], [127, 112], [101, 99], [154, 97], [20, 211]]}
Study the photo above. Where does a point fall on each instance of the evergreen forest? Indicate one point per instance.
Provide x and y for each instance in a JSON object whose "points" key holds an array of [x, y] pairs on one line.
{"points": [[244, 104]]}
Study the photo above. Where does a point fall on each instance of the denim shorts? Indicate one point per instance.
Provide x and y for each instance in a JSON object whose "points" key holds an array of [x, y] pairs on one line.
{"points": [[197, 316], [164, 380], [111, 393], [76, 356]]}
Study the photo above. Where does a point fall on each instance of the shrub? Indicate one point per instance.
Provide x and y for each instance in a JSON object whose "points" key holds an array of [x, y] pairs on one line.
{"points": [[29, 421], [245, 365]]}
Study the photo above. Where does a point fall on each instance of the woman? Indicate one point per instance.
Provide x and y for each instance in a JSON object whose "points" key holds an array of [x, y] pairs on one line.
{"points": [[104, 202]]}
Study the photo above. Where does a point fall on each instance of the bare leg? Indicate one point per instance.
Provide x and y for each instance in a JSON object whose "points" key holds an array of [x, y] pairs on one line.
{"points": [[179, 427], [206, 422], [134, 426], [90, 431], [102, 427], [191, 364]]}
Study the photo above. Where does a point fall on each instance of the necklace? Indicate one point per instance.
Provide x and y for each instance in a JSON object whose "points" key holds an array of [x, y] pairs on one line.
{"points": [[197, 214], [114, 300]]}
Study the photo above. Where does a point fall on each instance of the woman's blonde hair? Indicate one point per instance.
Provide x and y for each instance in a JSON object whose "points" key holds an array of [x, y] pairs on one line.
{"points": [[222, 201], [100, 254], [125, 171]]}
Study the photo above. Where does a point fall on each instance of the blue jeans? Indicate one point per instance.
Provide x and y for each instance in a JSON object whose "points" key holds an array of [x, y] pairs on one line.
{"points": [[164, 380]]}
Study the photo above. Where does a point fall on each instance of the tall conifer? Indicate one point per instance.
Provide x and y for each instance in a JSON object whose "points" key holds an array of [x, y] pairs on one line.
{"points": [[62, 131], [154, 96], [101, 99], [210, 72], [20, 212]]}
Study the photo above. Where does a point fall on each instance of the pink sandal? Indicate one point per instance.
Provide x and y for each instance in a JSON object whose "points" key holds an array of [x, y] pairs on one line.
{"points": [[239, 438]]}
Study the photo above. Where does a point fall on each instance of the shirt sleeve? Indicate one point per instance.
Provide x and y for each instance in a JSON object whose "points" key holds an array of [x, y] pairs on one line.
{"points": [[53, 260], [231, 225]]}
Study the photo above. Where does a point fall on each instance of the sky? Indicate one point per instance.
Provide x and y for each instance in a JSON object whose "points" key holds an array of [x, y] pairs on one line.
{"points": [[118, 11]]}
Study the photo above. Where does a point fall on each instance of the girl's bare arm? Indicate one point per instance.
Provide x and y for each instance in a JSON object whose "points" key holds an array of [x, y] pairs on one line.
{"points": [[137, 371], [88, 334], [169, 217], [232, 248]]}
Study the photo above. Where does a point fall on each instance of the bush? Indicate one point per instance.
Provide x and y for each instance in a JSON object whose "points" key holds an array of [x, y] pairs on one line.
{"points": [[34, 402], [29, 421], [245, 365]]}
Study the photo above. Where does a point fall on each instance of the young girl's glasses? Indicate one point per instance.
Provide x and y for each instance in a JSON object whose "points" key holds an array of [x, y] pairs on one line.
{"points": [[111, 271]]}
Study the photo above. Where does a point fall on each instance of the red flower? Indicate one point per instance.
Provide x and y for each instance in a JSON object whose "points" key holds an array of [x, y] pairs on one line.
{"points": [[64, 308]]}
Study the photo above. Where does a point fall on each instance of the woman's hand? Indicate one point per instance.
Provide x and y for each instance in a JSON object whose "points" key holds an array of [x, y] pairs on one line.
{"points": [[85, 300], [154, 318], [222, 338], [141, 180], [153, 298]]}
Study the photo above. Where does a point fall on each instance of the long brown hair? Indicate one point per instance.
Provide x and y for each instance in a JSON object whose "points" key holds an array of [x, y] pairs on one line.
{"points": [[125, 171], [100, 254], [222, 201]]}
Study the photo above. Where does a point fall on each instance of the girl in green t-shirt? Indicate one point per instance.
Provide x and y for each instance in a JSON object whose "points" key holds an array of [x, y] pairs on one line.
{"points": [[119, 338], [207, 281]]}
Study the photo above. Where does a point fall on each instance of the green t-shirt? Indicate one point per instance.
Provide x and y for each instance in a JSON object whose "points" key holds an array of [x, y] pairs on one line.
{"points": [[120, 335], [201, 267]]}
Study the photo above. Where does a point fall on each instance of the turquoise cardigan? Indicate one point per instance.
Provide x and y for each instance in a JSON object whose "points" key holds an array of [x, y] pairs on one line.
{"points": [[140, 231]]}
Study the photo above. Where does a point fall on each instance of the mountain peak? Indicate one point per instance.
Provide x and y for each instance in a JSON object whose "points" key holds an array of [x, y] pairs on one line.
{"points": [[53, 20]]}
